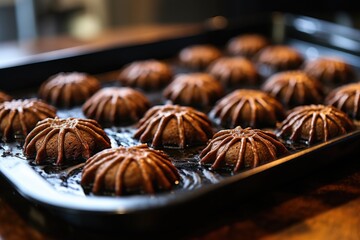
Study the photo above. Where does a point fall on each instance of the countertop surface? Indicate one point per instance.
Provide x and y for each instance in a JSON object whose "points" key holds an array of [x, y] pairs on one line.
{"points": [[322, 205]]}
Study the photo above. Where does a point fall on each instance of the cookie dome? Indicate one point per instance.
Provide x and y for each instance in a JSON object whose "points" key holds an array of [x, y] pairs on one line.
{"points": [[65, 140], [132, 170], [346, 98], [247, 108], [174, 126], [116, 106], [240, 149], [234, 71], [19, 116], [150, 74], [333, 70], [199, 56], [310, 124], [276, 58], [5, 97], [246, 45], [199, 90], [68, 89], [293, 88]]}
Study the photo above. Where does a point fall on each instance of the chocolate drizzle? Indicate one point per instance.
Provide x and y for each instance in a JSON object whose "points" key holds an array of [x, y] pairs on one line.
{"points": [[314, 123], [279, 58], [242, 148], [198, 89], [294, 88], [68, 89], [331, 70], [347, 99], [150, 74], [248, 108], [122, 170], [116, 106], [65, 139], [174, 126], [18, 117], [246, 45], [199, 56], [234, 71]]}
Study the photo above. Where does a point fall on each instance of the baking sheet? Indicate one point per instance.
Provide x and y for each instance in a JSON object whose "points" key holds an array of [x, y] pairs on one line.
{"points": [[53, 194]]}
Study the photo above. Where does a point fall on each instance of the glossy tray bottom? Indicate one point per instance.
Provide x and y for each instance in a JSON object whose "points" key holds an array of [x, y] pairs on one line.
{"points": [[66, 178]]}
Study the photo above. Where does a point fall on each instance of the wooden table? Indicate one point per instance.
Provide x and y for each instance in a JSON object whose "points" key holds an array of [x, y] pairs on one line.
{"points": [[324, 205]]}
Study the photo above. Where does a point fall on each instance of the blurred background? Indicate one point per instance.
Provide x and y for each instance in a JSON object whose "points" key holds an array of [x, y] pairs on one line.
{"points": [[29, 19]]}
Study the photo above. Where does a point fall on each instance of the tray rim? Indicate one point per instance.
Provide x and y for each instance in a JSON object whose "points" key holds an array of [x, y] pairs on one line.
{"points": [[130, 204]]}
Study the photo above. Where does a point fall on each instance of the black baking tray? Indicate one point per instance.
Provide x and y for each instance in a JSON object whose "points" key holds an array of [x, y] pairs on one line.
{"points": [[52, 198]]}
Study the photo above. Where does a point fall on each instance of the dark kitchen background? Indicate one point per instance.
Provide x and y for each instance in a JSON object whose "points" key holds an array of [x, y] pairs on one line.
{"points": [[26, 19]]}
